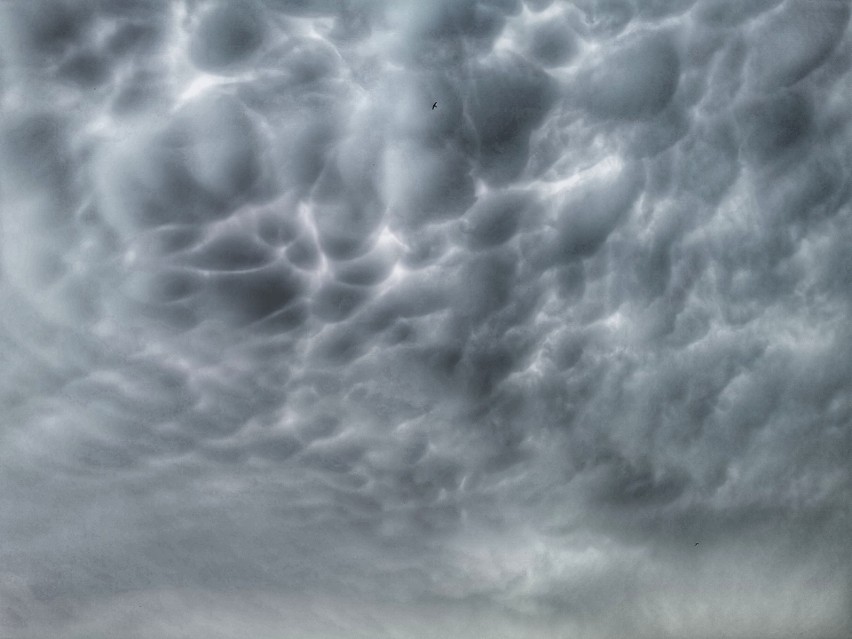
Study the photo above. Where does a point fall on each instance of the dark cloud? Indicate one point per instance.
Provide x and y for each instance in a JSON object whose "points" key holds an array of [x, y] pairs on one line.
{"points": [[287, 352], [226, 34]]}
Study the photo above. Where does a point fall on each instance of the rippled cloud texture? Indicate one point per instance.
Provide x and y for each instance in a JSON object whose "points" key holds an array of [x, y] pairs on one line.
{"points": [[288, 353]]}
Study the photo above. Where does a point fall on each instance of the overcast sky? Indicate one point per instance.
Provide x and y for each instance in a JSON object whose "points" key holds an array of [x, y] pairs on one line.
{"points": [[286, 352]]}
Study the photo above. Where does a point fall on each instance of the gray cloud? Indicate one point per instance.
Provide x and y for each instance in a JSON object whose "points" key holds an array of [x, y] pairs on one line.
{"points": [[286, 352]]}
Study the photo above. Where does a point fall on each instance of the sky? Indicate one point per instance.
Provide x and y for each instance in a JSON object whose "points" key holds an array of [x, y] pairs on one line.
{"points": [[286, 352]]}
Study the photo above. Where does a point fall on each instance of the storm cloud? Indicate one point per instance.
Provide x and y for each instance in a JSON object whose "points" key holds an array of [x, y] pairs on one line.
{"points": [[285, 352]]}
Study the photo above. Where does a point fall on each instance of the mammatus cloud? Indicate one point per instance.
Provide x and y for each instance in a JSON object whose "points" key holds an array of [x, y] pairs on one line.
{"points": [[288, 353]]}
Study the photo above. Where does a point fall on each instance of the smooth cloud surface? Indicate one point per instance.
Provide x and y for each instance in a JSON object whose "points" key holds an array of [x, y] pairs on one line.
{"points": [[287, 353]]}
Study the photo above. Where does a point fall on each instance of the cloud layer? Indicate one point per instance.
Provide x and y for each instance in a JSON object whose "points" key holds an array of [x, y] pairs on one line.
{"points": [[288, 353]]}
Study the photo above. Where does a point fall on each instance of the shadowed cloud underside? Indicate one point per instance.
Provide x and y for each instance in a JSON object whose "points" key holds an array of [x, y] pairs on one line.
{"points": [[425, 319]]}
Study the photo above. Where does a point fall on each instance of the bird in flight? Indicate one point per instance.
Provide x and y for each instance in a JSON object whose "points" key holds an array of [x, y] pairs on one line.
{"points": [[435, 106], [696, 543]]}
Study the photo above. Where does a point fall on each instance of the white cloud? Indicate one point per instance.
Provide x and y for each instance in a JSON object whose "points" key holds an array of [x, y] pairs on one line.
{"points": [[288, 352]]}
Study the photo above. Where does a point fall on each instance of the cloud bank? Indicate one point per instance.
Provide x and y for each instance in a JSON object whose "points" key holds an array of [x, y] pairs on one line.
{"points": [[288, 353]]}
